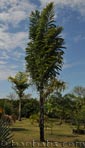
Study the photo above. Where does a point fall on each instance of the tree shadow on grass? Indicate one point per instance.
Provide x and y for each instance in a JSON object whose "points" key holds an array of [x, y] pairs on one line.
{"points": [[18, 129], [66, 135]]}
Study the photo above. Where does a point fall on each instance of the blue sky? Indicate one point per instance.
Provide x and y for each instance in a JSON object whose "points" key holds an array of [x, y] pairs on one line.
{"points": [[14, 28]]}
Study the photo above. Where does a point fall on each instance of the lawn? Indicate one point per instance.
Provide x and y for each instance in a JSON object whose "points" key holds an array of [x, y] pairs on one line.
{"points": [[26, 134]]}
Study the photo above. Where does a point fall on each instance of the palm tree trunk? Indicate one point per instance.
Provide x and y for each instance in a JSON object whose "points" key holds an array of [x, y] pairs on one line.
{"points": [[19, 117], [41, 116]]}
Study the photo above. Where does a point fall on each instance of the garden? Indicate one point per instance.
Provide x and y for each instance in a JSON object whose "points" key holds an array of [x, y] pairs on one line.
{"points": [[53, 118]]}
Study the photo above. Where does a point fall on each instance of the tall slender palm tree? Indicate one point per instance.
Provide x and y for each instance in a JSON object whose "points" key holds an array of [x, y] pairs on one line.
{"points": [[44, 54]]}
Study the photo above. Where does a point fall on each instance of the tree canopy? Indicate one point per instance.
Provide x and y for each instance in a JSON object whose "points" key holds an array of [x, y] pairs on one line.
{"points": [[44, 54], [19, 82]]}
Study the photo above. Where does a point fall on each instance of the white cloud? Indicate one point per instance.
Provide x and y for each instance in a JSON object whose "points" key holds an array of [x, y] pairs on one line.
{"points": [[13, 67], [6, 71], [9, 69], [3, 27], [12, 40], [79, 38], [12, 17], [65, 66], [15, 11], [79, 5], [12, 12], [17, 55], [70, 65], [5, 75], [4, 56], [3, 62]]}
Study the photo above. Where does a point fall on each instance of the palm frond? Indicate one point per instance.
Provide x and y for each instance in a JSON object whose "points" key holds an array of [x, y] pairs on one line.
{"points": [[5, 134]]}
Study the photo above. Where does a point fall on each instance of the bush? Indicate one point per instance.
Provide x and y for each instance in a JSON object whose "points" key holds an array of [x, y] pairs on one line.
{"points": [[5, 134]]}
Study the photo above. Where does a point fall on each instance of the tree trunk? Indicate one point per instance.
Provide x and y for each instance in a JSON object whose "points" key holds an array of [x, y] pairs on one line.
{"points": [[19, 117], [41, 116]]}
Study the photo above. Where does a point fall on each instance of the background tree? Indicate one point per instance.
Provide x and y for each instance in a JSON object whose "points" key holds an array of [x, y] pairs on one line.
{"points": [[44, 54], [30, 107], [20, 84], [79, 111], [79, 91], [54, 87]]}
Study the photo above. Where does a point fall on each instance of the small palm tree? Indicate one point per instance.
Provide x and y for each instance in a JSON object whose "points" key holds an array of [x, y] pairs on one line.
{"points": [[5, 134], [20, 84]]}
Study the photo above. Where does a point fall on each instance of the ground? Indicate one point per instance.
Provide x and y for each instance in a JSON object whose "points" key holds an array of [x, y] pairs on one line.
{"points": [[26, 135]]}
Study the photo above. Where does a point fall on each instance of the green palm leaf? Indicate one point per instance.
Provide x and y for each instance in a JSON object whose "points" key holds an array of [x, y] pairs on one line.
{"points": [[5, 134]]}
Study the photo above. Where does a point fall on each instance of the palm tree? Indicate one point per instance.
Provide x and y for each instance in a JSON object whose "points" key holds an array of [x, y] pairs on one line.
{"points": [[19, 85], [44, 54]]}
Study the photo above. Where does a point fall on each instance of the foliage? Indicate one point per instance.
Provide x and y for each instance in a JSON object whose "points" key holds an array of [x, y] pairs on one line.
{"points": [[34, 118], [79, 107], [54, 86], [30, 107], [79, 91], [19, 83], [5, 134], [78, 113], [6, 105], [44, 54], [68, 108], [8, 108]]}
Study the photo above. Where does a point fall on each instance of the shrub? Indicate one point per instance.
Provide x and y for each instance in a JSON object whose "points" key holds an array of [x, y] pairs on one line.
{"points": [[5, 134]]}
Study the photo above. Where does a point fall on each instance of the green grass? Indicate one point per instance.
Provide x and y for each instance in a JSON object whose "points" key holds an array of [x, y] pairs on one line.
{"points": [[24, 131]]}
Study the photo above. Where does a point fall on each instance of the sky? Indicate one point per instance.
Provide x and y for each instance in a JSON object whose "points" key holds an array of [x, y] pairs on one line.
{"points": [[14, 36]]}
